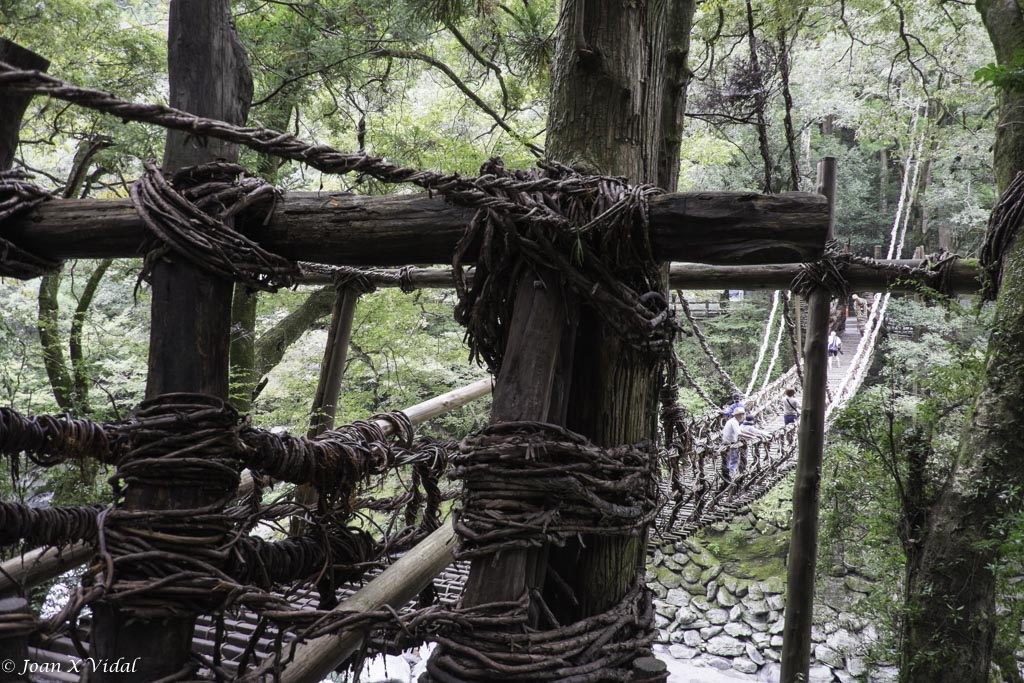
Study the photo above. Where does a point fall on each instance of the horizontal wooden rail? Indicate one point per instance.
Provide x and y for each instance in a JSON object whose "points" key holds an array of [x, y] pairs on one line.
{"points": [[417, 414], [709, 227], [963, 276], [43, 564]]}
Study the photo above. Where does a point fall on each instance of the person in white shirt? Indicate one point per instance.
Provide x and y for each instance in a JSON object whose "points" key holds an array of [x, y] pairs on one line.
{"points": [[731, 434]]}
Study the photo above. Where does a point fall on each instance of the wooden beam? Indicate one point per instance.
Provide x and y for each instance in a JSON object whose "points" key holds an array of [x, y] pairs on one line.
{"points": [[397, 585], [709, 227], [796, 634], [963, 276]]}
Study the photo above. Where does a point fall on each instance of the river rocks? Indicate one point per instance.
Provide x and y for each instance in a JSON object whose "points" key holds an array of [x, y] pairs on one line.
{"points": [[753, 654], [690, 574], [710, 632], [710, 574]]}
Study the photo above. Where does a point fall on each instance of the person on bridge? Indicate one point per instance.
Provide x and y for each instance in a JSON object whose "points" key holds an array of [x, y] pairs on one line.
{"points": [[790, 412], [731, 433], [835, 347]]}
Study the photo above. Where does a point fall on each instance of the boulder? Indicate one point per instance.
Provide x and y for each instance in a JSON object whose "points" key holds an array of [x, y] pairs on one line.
{"points": [[884, 674], [856, 666], [775, 602], [754, 655], [738, 630], [725, 646], [672, 564], [710, 632], [665, 610], [668, 578], [734, 585], [850, 622], [658, 590], [744, 665], [857, 584], [677, 597], [777, 627], [820, 674], [710, 574], [817, 634], [703, 559], [773, 584], [725, 598], [700, 604], [827, 655], [686, 616], [736, 613], [761, 640], [661, 622], [844, 676], [692, 638], [776, 641], [682, 652], [770, 673], [717, 616], [720, 663], [843, 641], [753, 606], [682, 559], [711, 590], [690, 574]]}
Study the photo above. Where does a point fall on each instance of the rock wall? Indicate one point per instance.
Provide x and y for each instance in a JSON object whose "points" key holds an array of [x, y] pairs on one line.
{"points": [[728, 614]]}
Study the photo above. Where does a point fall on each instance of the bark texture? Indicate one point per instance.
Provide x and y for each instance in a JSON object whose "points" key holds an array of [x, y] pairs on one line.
{"points": [[951, 622]]}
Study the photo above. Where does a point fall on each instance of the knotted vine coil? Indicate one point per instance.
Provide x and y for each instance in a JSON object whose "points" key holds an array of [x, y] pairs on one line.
{"points": [[600, 249], [530, 483], [160, 561], [18, 195], [592, 649], [188, 217]]}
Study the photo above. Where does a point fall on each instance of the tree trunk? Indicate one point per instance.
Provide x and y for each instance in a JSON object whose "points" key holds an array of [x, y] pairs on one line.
{"points": [[951, 621]]}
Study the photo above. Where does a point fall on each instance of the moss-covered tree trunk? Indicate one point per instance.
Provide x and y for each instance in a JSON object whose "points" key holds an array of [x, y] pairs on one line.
{"points": [[618, 90], [950, 627]]}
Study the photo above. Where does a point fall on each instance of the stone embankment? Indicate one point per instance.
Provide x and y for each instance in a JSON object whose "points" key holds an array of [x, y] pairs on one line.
{"points": [[720, 600]]}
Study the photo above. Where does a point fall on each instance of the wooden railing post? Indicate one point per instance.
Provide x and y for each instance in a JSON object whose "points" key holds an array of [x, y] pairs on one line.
{"points": [[796, 634], [191, 318]]}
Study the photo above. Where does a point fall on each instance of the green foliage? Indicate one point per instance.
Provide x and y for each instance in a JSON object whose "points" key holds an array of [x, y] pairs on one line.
{"points": [[1003, 76]]}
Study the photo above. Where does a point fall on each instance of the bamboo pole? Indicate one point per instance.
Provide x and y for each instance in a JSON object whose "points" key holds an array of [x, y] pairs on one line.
{"points": [[796, 634], [39, 565], [397, 585]]}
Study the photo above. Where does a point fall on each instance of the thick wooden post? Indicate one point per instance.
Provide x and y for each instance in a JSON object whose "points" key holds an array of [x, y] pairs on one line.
{"points": [[532, 368], [13, 105], [14, 615], [191, 314], [14, 611], [803, 548]]}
